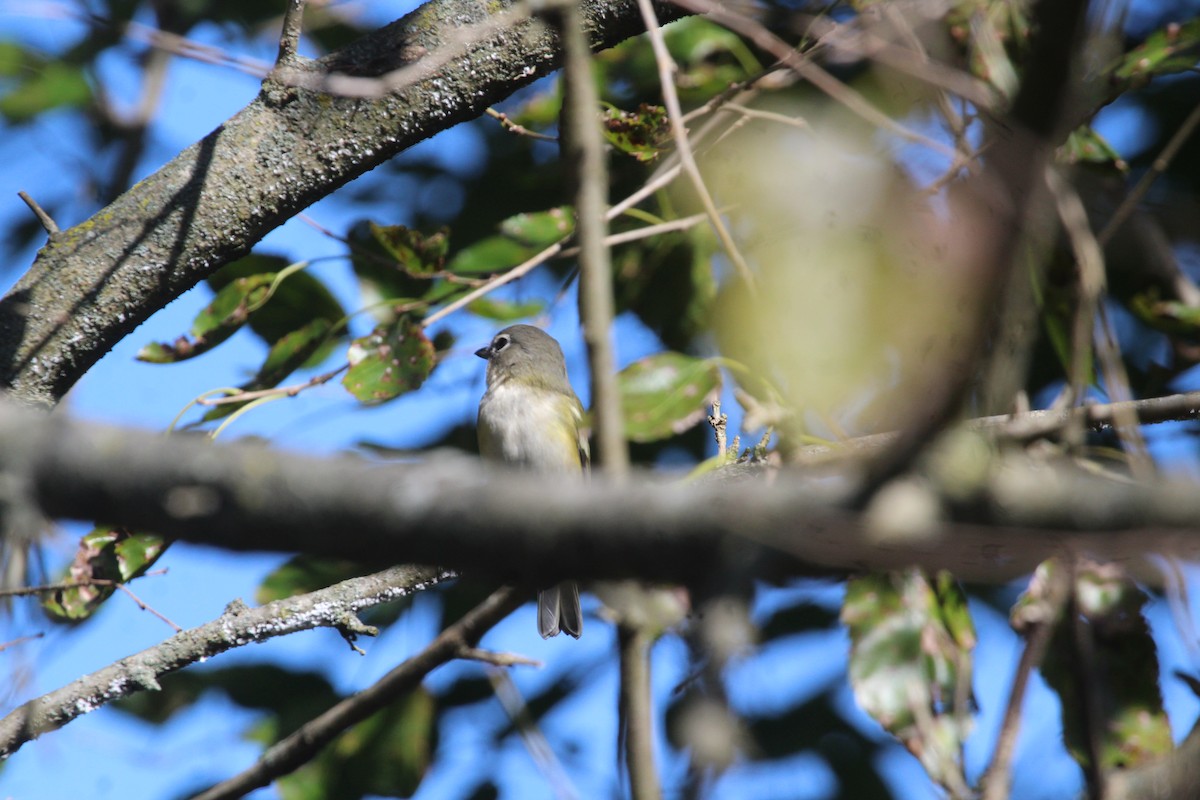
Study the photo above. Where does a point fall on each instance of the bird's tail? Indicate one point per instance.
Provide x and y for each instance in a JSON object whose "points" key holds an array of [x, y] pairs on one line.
{"points": [[559, 611]]}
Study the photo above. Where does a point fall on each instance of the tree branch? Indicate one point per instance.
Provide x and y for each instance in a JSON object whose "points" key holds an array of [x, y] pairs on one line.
{"points": [[238, 625], [524, 528], [94, 283], [301, 746]]}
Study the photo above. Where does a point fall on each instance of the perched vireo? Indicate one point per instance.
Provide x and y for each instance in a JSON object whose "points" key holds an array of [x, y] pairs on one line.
{"points": [[530, 417]]}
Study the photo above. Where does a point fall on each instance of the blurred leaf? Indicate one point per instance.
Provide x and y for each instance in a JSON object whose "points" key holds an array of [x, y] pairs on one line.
{"points": [[668, 282], [385, 755], [643, 134], [414, 252], [465, 691], [219, 320], [802, 617], [666, 394], [302, 574], [37, 85], [291, 697], [291, 352], [390, 361], [505, 310], [910, 663], [1175, 48], [1120, 663], [105, 554], [1085, 145]]}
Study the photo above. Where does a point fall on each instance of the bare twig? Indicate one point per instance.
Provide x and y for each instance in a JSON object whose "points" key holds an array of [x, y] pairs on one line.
{"points": [[535, 741], [301, 746], [633, 644], [1156, 169], [997, 779], [277, 391], [726, 15], [289, 36], [20, 640], [146, 607], [666, 77], [509, 125], [498, 659], [48, 223], [585, 158], [1089, 257]]}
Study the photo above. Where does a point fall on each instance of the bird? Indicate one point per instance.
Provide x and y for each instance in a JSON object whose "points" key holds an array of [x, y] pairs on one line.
{"points": [[530, 418]]}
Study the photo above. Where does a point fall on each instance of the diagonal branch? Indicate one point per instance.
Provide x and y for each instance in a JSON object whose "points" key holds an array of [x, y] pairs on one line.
{"points": [[333, 607], [94, 283], [301, 746]]}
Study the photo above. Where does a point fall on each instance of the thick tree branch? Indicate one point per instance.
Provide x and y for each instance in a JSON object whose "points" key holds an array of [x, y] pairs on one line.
{"points": [[449, 511], [329, 608], [95, 282]]}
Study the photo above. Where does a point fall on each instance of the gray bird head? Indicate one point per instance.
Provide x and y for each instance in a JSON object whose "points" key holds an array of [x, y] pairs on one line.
{"points": [[528, 354]]}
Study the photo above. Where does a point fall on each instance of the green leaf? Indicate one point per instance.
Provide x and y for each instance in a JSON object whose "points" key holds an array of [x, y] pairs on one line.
{"points": [[1175, 48], [1085, 145], [292, 698], [387, 754], [505, 310], [290, 353], [540, 229], [297, 299], [39, 85], [910, 652], [667, 281], [414, 252], [521, 237], [303, 574], [219, 320], [643, 134], [105, 553], [495, 254], [393, 359], [666, 394], [1122, 697]]}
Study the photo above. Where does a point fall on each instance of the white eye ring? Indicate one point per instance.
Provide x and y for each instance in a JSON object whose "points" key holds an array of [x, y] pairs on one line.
{"points": [[500, 343]]}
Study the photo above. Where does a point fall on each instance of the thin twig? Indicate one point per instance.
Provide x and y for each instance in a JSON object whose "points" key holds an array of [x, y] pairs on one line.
{"points": [[586, 161], [725, 15], [20, 640], [1089, 257], [277, 391], [535, 741], [313, 736], [1156, 169], [47, 588], [497, 659], [634, 647], [666, 77], [289, 36], [146, 607], [513, 127], [997, 778], [48, 223]]}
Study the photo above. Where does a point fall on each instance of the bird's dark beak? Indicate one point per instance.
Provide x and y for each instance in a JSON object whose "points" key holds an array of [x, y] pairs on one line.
{"points": [[484, 352]]}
